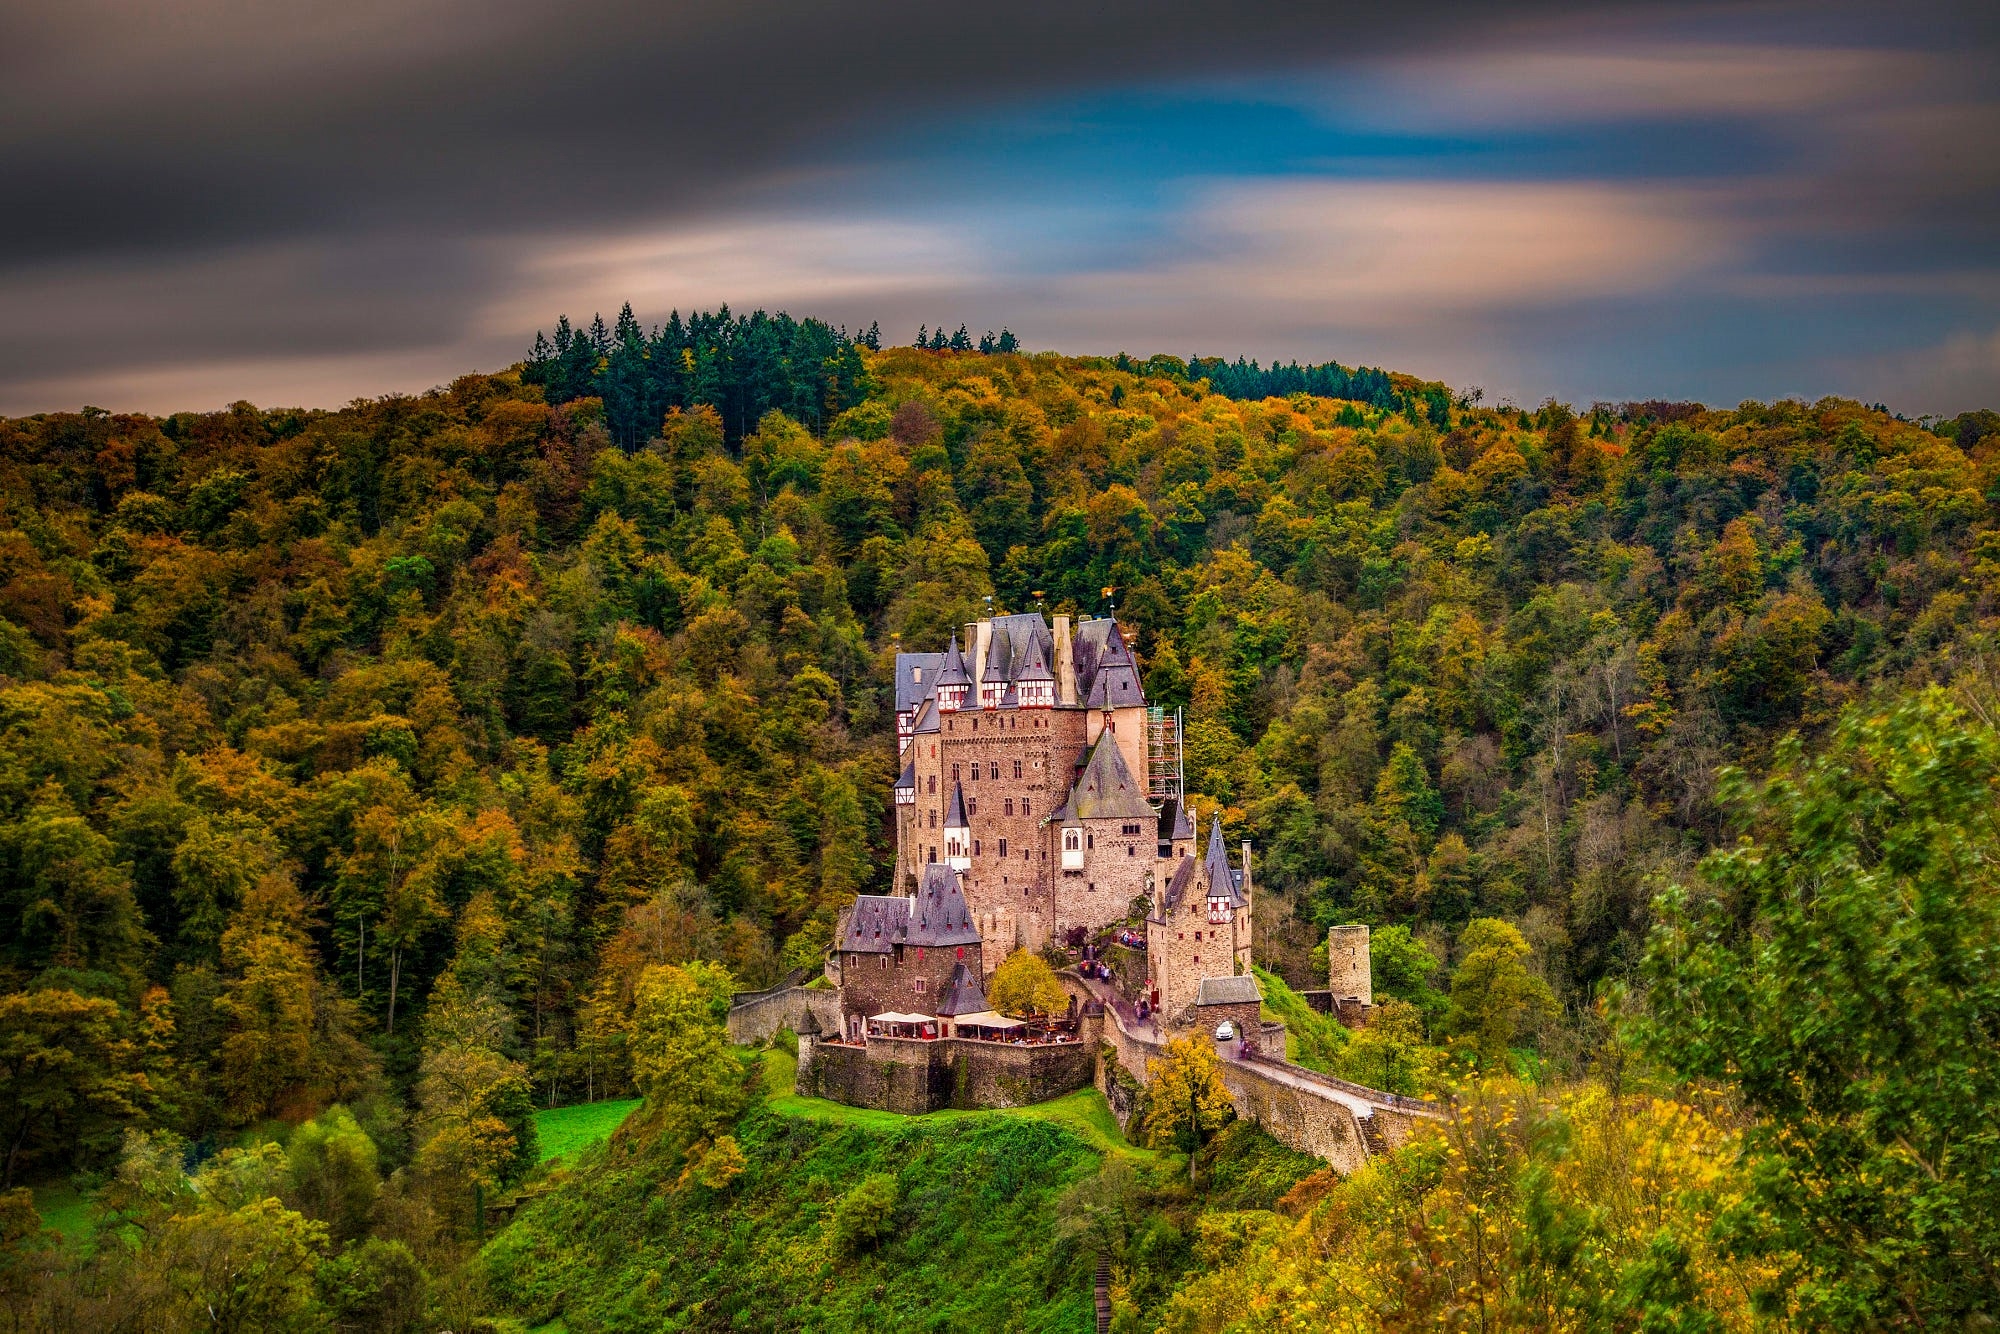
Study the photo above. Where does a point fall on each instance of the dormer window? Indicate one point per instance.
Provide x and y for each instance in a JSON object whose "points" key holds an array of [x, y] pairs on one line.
{"points": [[917, 675]]}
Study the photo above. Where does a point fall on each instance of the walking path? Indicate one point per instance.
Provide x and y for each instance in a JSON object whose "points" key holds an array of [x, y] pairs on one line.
{"points": [[1361, 1101]]}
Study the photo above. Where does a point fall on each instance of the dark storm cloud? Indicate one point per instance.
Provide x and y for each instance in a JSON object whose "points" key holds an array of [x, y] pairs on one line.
{"points": [[147, 126]]}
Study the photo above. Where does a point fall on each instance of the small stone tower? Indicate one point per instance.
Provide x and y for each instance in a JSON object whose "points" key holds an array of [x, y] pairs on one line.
{"points": [[1348, 975]]}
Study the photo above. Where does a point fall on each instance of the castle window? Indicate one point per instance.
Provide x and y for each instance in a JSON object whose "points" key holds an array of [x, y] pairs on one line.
{"points": [[1017, 768], [1069, 840], [954, 773], [975, 847], [1197, 958], [972, 806], [1090, 840], [1024, 805], [922, 985], [884, 965], [933, 784], [975, 771], [1128, 851], [961, 953], [933, 819], [1009, 804], [1003, 847]]}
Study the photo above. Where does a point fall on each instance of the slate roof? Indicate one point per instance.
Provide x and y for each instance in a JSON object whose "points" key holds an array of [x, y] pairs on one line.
{"points": [[911, 691], [936, 915], [954, 814], [1106, 675], [963, 994], [1033, 665], [941, 914], [951, 671], [1106, 789], [908, 781], [1178, 883], [1223, 882], [927, 716], [876, 923], [1176, 821], [1228, 991]]}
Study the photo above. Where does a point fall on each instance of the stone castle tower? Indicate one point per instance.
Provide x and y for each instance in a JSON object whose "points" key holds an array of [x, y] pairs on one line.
{"points": [[1032, 765]]}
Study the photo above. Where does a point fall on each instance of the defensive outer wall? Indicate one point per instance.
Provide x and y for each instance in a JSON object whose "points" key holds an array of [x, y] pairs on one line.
{"points": [[912, 1077], [755, 1015], [1343, 1123]]}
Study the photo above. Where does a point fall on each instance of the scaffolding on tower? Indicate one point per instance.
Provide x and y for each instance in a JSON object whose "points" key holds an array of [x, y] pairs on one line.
{"points": [[1163, 755]]}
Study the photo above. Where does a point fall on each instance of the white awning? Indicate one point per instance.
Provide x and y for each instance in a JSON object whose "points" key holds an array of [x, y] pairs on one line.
{"points": [[891, 1017], [986, 1019]]}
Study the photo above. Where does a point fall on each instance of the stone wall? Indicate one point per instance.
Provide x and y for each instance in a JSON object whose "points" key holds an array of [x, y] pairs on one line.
{"points": [[757, 1015], [1296, 1118], [912, 1077]]}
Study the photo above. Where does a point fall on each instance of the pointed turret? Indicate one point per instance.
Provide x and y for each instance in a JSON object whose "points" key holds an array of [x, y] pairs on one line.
{"points": [[1035, 682], [952, 679], [1224, 894], [957, 832]]}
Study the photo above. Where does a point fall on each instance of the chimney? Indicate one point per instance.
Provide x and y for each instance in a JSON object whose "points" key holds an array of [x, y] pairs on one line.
{"points": [[979, 668], [1065, 664], [1246, 868]]}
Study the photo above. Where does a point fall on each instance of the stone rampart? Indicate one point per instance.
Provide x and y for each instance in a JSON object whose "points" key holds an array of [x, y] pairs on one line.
{"points": [[1301, 1109], [755, 1015], [1298, 1118], [912, 1077]]}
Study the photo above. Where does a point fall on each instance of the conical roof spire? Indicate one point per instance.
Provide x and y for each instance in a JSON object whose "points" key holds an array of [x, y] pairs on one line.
{"points": [[954, 814], [953, 673], [1221, 881]]}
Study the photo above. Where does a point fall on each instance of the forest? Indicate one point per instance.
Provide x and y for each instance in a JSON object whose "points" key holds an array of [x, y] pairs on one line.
{"points": [[374, 779]]}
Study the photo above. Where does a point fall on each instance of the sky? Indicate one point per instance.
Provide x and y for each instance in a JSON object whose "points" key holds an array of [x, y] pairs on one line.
{"points": [[302, 203]]}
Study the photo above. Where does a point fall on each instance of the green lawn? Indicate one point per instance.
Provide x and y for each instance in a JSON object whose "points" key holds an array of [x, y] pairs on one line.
{"points": [[1083, 1113], [564, 1131], [63, 1209]]}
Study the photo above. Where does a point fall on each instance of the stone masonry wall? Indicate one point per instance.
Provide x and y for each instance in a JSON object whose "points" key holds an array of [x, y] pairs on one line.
{"points": [[912, 1077], [755, 1020]]}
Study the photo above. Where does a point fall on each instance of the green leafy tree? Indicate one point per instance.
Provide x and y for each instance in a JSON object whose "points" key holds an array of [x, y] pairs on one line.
{"points": [[1835, 968], [1492, 992], [865, 1215], [332, 1172], [681, 1059]]}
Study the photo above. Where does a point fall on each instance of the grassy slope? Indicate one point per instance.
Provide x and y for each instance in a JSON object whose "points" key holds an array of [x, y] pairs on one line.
{"points": [[973, 1245], [1312, 1039], [565, 1131]]}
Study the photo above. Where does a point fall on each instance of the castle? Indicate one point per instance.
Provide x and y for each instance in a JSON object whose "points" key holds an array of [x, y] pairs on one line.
{"points": [[1034, 771]]}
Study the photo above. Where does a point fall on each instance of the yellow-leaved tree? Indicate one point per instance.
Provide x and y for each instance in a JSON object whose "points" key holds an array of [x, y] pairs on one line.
{"points": [[1024, 984], [1185, 1097]]}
